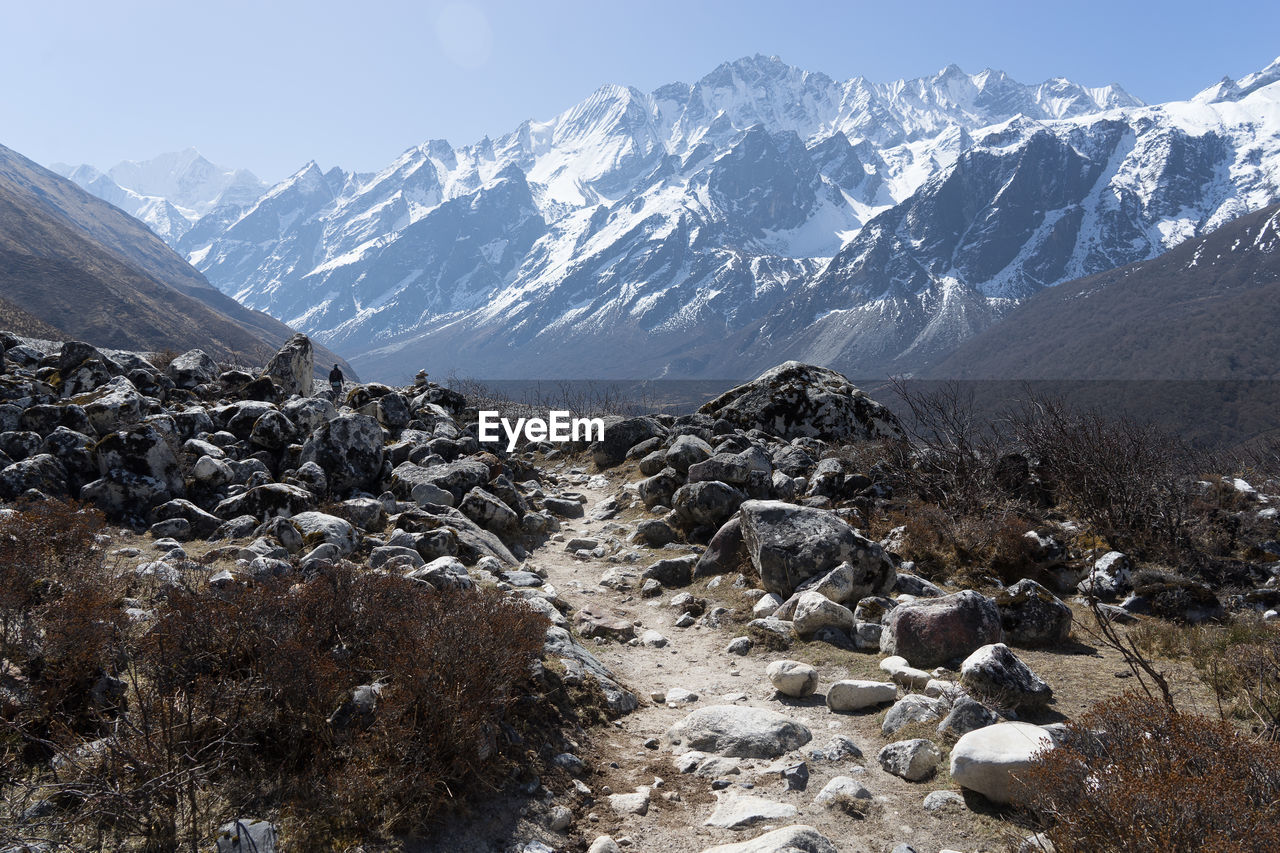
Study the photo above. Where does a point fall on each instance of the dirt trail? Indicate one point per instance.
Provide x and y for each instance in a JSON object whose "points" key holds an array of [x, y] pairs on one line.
{"points": [[696, 659]]}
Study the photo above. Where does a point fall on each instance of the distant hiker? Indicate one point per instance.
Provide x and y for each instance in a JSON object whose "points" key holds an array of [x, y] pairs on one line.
{"points": [[335, 380]]}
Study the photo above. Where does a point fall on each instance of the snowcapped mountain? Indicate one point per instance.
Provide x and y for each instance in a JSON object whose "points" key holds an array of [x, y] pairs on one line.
{"points": [[169, 192], [714, 228]]}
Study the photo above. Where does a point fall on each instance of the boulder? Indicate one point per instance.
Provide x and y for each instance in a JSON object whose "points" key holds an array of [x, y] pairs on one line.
{"points": [[686, 450], [658, 489], [995, 671], [620, 436], [318, 528], [738, 732], [671, 572], [794, 399], [799, 838], [561, 645], [792, 678], [789, 544], [293, 367], [1110, 576], [735, 811], [990, 760], [489, 512], [846, 794], [192, 368], [114, 405], [912, 708], [349, 449], [814, 611], [144, 451], [854, 695], [914, 760], [41, 472], [1031, 615], [966, 715], [267, 501], [930, 632], [247, 835], [706, 504], [725, 553]]}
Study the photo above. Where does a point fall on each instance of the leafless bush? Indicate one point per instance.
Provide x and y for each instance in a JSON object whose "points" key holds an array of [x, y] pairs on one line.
{"points": [[1135, 775], [1129, 479]]}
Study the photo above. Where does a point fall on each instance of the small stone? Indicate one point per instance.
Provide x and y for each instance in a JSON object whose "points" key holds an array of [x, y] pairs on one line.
{"points": [[792, 678], [739, 645]]}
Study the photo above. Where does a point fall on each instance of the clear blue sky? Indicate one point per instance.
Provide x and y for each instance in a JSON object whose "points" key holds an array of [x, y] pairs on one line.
{"points": [[269, 85]]}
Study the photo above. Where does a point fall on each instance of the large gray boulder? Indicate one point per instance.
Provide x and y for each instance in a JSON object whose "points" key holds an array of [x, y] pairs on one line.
{"points": [[293, 367], [709, 503], [620, 436], [142, 450], [794, 399], [115, 405], [192, 368], [738, 732], [1032, 615], [929, 632], [41, 472], [349, 449], [788, 544], [995, 671]]}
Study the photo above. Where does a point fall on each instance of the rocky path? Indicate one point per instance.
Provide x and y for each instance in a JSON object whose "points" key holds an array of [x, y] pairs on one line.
{"points": [[690, 668]]}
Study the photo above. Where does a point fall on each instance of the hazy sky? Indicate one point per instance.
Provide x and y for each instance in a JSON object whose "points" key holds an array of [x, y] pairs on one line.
{"points": [[269, 85]]}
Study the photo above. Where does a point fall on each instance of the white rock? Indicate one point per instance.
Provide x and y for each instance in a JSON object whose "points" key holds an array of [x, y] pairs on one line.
{"points": [[792, 678], [815, 611], [653, 639], [854, 695], [988, 759], [734, 811], [739, 732], [767, 604], [799, 838], [630, 804], [913, 760], [604, 844], [844, 793]]}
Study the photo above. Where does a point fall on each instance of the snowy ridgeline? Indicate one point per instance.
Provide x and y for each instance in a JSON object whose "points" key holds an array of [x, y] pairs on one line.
{"points": [[762, 212]]}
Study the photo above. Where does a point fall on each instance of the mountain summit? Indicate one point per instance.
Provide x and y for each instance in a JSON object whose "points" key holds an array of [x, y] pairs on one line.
{"points": [[761, 213]]}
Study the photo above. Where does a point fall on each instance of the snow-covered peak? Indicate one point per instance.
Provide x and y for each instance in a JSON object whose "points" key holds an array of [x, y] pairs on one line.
{"points": [[1227, 89]]}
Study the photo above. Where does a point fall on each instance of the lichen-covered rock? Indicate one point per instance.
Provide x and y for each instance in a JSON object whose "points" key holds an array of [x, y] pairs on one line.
{"points": [[319, 528], [192, 368], [41, 472], [349, 449], [789, 544], [997, 672], [293, 367], [142, 450], [270, 500], [914, 760], [930, 632], [792, 677], [705, 504], [1032, 615], [620, 436], [795, 399]]}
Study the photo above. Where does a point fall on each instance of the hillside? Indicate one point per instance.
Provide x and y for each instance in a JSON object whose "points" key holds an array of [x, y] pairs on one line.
{"points": [[1206, 310], [92, 271]]}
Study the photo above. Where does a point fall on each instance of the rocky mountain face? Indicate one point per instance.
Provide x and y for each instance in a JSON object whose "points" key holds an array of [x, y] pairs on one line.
{"points": [[1207, 309], [87, 270], [762, 213]]}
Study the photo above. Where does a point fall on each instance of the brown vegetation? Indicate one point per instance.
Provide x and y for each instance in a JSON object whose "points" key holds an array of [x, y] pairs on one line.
{"points": [[243, 699]]}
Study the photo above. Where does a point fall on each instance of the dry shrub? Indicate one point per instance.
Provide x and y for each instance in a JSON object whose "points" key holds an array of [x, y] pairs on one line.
{"points": [[1137, 776], [947, 546], [1128, 479], [1239, 661], [224, 703], [60, 625]]}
